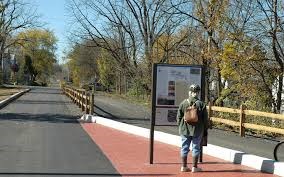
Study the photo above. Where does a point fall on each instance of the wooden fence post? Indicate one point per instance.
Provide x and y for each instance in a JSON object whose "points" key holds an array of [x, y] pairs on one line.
{"points": [[83, 100], [92, 101], [77, 98], [73, 95], [87, 102], [242, 121]]}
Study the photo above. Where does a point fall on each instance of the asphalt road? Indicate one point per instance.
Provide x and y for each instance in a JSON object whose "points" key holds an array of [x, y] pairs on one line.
{"points": [[120, 110], [40, 136]]}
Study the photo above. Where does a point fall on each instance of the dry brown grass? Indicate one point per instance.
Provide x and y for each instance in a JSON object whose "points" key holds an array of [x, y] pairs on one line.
{"points": [[6, 92]]}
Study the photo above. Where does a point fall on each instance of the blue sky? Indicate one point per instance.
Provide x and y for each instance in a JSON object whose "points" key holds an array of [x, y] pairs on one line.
{"points": [[53, 14]]}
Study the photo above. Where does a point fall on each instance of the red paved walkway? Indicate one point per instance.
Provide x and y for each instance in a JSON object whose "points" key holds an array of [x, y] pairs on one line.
{"points": [[129, 155]]}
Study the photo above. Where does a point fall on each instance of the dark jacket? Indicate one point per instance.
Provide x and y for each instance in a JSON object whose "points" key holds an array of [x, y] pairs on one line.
{"points": [[201, 126]]}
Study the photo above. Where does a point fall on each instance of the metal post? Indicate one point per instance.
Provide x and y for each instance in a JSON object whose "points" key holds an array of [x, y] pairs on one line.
{"points": [[153, 117]]}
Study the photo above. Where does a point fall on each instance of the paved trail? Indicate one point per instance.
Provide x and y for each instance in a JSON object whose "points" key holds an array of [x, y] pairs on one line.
{"points": [[41, 137]]}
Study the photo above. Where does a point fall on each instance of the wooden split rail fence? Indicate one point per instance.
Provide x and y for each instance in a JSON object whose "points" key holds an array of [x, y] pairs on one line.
{"points": [[242, 124], [84, 99]]}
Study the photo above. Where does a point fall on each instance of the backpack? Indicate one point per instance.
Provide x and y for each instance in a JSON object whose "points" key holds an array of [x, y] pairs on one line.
{"points": [[190, 115]]}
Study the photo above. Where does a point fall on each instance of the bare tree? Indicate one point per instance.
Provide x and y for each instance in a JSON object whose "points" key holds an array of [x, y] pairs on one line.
{"points": [[272, 29], [132, 26], [108, 33], [153, 19]]}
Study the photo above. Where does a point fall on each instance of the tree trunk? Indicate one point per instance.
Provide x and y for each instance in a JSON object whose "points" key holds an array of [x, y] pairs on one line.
{"points": [[149, 67], [119, 83], [277, 57], [219, 86], [207, 71], [116, 86], [125, 84], [207, 75], [279, 93]]}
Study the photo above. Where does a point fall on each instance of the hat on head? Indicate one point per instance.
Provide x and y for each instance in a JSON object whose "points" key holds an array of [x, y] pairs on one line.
{"points": [[194, 88]]}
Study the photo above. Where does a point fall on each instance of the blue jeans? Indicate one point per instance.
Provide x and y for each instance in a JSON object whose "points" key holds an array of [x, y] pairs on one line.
{"points": [[186, 140]]}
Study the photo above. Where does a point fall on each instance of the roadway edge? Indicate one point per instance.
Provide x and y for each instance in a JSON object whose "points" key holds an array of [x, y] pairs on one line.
{"points": [[260, 163], [6, 101]]}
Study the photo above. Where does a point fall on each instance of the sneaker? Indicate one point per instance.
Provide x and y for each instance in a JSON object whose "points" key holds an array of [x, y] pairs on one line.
{"points": [[195, 169], [184, 169]]}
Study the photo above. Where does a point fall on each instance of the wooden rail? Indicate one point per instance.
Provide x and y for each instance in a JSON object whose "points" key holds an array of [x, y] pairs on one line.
{"points": [[85, 101], [242, 124], [81, 97]]}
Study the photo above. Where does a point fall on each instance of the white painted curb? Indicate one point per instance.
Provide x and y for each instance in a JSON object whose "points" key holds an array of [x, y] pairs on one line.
{"points": [[3, 103], [238, 157]]}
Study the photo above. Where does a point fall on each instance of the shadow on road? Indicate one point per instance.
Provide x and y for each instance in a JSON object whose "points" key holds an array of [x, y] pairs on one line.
{"points": [[111, 116], [56, 92], [51, 118], [120, 118], [42, 102], [45, 90]]}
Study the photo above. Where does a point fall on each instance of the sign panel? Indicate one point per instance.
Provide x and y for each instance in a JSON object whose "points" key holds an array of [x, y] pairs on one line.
{"points": [[172, 83]]}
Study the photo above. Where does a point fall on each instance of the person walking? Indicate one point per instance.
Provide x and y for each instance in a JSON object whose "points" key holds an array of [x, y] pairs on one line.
{"points": [[192, 132]]}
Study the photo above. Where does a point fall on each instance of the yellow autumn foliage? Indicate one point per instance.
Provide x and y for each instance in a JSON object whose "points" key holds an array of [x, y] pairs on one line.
{"points": [[40, 45]]}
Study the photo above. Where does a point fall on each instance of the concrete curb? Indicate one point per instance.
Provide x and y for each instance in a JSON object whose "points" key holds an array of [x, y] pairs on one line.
{"points": [[260, 163], [5, 102]]}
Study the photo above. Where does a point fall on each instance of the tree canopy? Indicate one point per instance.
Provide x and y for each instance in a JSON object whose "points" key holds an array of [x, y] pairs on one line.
{"points": [[239, 42], [39, 45]]}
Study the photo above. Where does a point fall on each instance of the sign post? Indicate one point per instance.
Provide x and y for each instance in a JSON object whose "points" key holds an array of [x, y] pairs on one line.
{"points": [[170, 85], [153, 117]]}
